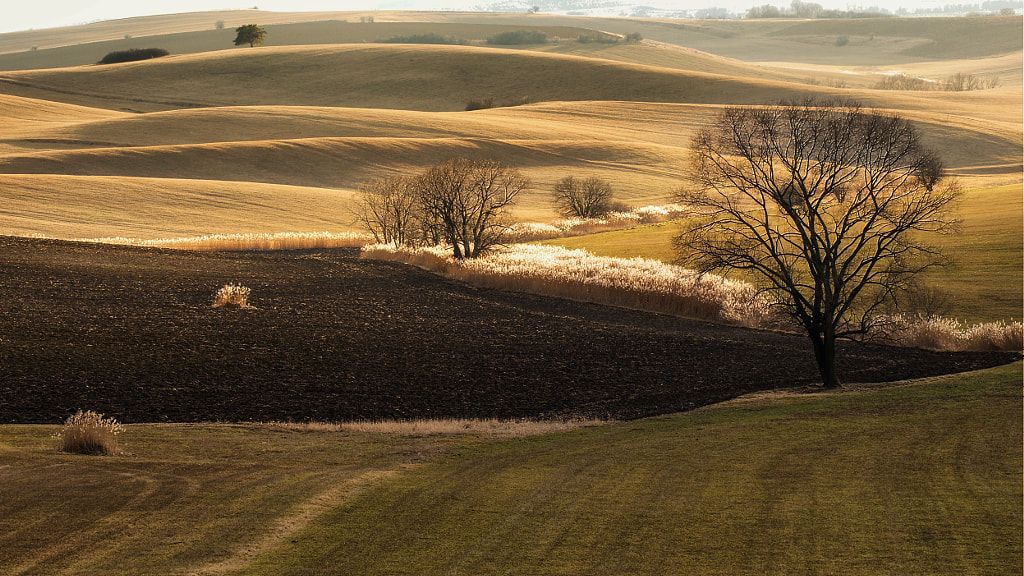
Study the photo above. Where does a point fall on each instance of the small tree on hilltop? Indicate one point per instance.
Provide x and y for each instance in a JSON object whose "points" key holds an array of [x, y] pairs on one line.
{"points": [[583, 197], [823, 204], [466, 203], [250, 34]]}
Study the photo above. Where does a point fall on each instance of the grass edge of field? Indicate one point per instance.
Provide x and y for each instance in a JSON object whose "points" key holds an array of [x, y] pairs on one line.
{"points": [[991, 232], [924, 474], [581, 501]]}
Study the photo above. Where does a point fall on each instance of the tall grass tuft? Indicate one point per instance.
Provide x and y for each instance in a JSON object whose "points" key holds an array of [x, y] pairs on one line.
{"points": [[232, 295], [90, 433], [636, 283]]}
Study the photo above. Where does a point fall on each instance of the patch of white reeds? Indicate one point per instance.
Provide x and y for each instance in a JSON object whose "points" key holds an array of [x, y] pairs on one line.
{"points": [[576, 274], [277, 241], [939, 333], [532, 231]]}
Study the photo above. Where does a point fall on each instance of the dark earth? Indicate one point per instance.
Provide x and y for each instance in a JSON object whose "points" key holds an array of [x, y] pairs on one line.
{"points": [[131, 333]]}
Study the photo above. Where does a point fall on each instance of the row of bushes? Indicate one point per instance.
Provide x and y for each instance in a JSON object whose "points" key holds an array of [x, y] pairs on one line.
{"points": [[959, 82], [485, 103], [133, 55], [428, 38]]}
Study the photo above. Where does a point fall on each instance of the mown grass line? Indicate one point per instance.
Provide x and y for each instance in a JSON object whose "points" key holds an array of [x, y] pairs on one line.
{"points": [[984, 284], [920, 479]]}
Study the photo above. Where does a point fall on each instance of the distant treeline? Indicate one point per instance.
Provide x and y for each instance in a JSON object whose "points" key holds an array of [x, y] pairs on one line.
{"points": [[428, 38], [798, 9], [132, 55]]}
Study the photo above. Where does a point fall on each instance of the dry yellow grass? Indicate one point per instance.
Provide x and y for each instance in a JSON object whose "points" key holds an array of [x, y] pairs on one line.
{"points": [[90, 433], [489, 427], [70, 207]]}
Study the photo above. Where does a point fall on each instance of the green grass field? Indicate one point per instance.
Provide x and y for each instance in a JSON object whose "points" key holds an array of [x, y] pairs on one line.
{"points": [[984, 284], [917, 479]]}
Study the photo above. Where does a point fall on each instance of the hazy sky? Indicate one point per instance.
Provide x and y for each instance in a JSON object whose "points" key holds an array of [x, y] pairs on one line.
{"points": [[26, 14]]}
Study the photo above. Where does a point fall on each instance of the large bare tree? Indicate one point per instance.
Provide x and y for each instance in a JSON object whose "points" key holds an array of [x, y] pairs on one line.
{"points": [[467, 202], [822, 204], [389, 209], [583, 197]]}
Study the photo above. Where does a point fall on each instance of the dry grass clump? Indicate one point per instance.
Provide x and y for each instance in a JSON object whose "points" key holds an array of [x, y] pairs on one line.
{"points": [[532, 231], [449, 426], [576, 274], [232, 295], [277, 241], [90, 433], [938, 333]]}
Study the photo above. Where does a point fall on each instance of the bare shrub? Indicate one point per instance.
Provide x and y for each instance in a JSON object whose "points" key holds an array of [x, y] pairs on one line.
{"points": [[90, 433], [232, 295], [962, 82], [904, 82], [583, 197]]}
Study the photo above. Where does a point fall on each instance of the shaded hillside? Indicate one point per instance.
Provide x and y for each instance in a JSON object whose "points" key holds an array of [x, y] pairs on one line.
{"points": [[305, 33], [430, 78]]}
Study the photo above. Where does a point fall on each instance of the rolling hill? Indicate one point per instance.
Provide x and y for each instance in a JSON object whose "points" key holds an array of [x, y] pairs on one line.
{"points": [[322, 119]]}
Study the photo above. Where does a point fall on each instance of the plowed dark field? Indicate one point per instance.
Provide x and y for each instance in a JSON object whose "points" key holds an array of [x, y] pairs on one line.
{"points": [[131, 333]]}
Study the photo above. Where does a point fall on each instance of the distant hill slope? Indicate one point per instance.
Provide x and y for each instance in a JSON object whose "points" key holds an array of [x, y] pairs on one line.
{"points": [[874, 41], [422, 77]]}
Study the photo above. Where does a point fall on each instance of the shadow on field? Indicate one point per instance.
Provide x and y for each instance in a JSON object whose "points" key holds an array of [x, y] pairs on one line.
{"points": [[131, 333]]}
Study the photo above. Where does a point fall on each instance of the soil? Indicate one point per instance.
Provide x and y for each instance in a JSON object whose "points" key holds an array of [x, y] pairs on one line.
{"points": [[131, 333]]}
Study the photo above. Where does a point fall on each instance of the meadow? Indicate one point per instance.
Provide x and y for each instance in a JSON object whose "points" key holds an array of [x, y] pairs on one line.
{"points": [[357, 416], [856, 482]]}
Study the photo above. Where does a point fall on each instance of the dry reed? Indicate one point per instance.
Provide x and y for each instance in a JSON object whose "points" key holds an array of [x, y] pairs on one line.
{"points": [[90, 433], [232, 295], [576, 274], [228, 242], [938, 333], [485, 427]]}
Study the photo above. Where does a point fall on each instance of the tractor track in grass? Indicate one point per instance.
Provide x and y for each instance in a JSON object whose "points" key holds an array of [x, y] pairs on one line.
{"points": [[130, 332]]}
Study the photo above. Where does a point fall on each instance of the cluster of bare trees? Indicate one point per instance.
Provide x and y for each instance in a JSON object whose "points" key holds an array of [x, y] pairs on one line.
{"points": [[462, 203]]}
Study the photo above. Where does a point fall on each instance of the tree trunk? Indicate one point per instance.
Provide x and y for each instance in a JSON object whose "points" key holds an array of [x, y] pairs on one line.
{"points": [[825, 354]]}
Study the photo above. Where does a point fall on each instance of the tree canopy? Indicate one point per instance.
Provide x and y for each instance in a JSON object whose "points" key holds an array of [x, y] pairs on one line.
{"points": [[250, 34]]}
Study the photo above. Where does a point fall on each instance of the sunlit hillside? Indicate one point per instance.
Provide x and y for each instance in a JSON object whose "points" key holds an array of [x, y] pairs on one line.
{"points": [[212, 130]]}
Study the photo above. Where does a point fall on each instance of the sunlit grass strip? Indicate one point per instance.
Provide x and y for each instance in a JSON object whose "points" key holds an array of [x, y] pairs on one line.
{"points": [[532, 231], [491, 427], [576, 274], [277, 241]]}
